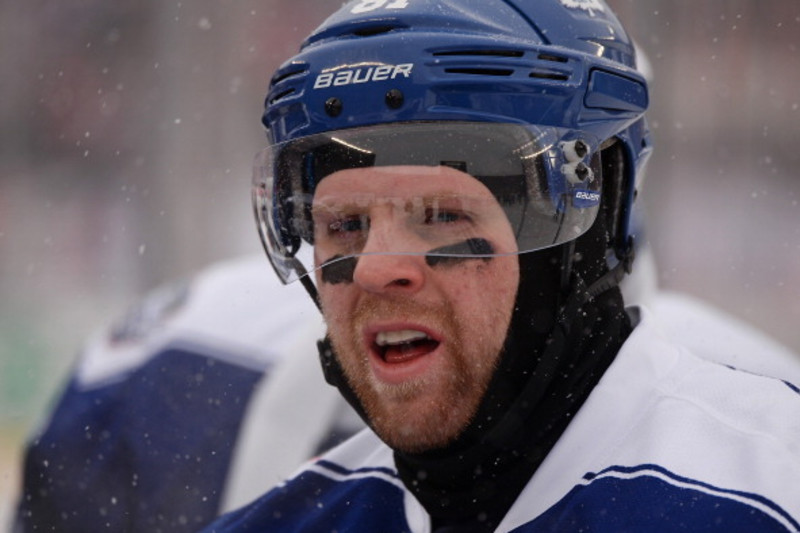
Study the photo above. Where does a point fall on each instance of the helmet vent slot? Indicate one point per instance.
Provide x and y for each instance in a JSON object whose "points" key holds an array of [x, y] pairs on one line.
{"points": [[280, 96], [286, 75], [548, 75], [480, 71], [369, 31], [553, 57], [494, 53]]}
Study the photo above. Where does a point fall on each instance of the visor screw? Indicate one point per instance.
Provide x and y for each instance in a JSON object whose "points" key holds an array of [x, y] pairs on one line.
{"points": [[581, 148], [333, 107], [582, 171], [394, 98]]}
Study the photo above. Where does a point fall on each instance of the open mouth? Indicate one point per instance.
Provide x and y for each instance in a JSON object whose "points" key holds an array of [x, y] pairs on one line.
{"points": [[403, 345]]}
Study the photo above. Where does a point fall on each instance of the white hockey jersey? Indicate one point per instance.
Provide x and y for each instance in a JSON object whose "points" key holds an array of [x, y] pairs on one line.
{"points": [[666, 442]]}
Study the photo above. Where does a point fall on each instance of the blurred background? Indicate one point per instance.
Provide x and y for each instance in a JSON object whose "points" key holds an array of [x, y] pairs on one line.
{"points": [[127, 130]]}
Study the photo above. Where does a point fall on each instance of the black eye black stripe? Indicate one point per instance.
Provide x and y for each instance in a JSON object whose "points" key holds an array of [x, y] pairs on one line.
{"points": [[459, 252], [338, 270]]}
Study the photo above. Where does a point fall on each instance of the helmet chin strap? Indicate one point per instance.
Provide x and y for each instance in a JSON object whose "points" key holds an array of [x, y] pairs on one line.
{"points": [[607, 281], [567, 258], [305, 279], [579, 291], [614, 277], [311, 289]]}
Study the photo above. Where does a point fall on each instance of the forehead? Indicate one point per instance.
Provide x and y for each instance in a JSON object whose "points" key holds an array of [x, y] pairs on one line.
{"points": [[400, 181]]}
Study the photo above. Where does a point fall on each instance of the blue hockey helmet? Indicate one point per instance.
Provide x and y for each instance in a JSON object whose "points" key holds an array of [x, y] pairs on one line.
{"points": [[521, 95]]}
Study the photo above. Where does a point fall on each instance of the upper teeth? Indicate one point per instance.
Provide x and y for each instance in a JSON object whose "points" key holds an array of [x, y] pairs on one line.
{"points": [[385, 338]]}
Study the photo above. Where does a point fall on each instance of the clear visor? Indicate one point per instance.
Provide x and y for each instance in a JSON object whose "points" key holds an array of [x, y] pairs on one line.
{"points": [[440, 190]]}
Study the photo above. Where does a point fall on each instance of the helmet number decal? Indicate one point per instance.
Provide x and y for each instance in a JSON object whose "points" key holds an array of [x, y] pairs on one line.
{"points": [[365, 6]]}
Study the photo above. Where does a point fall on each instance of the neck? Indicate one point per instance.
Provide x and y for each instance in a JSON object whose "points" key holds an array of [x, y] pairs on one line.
{"points": [[471, 484]]}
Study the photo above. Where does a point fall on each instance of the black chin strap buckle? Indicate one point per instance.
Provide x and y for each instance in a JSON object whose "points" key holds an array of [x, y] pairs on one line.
{"points": [[628, 255], [613, 277], [328, 361]]}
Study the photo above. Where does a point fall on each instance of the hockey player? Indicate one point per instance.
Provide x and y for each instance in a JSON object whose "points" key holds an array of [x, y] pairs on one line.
{"points": [[452, 182], [75, 495]]}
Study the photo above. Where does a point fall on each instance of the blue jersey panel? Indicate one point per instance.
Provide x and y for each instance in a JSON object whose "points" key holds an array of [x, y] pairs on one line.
{"points": [[650, 499], [314, 503], [148, 453]]}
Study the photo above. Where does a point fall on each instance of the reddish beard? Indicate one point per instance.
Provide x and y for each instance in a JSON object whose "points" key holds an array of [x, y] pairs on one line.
{"points": [[427, 412]]}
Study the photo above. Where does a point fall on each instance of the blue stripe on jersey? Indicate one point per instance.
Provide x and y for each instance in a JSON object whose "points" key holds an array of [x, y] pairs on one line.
{"points": [[792, 386], [314, 502], [649, 498], [342, 471]]}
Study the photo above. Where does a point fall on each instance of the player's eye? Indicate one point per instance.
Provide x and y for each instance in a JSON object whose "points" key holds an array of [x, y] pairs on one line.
{"points": [[444, 216], [349, 224]]}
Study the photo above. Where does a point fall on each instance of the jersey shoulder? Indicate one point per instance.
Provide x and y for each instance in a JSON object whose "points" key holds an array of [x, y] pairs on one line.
{"points": [[672, 441], [354, 487], [236, 311], [717, 336]]}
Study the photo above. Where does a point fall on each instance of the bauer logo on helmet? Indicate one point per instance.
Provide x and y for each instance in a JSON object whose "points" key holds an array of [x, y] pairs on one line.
{"points": [[362, 75]]}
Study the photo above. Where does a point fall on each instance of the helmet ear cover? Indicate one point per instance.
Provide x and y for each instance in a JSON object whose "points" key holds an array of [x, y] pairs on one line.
{"points": [[616, 191]]}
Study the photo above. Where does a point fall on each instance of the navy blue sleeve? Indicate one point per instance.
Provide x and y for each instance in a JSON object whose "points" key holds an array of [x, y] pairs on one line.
{"points": [[148, 453], [313, 502]]}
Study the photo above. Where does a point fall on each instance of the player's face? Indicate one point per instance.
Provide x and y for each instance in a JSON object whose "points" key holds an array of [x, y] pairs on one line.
{"points": [[418, 336]]}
